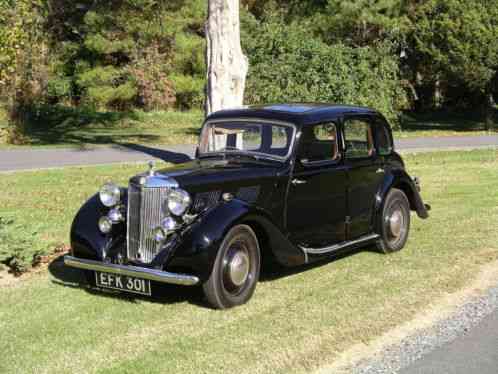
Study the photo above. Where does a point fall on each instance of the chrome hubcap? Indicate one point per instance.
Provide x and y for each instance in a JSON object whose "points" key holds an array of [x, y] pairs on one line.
{"points": [[396, 223], [238, 268]]}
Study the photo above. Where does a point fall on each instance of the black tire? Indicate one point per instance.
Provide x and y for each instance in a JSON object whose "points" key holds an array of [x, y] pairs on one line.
{"points": [[236, 269], [394, 222]]}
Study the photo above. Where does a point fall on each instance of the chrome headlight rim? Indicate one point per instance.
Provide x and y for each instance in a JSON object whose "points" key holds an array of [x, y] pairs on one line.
{"points": [[179, 201], [110, 195]]}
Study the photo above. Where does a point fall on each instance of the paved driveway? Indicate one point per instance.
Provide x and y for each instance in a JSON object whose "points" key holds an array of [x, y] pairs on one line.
{"points": [[25, 159], [475, 352]]}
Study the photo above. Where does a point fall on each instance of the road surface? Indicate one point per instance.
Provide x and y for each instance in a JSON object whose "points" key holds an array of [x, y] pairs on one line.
{"points": [[26, 159], [474, 352]]}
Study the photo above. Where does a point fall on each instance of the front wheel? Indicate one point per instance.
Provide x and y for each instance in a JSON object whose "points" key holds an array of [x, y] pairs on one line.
{"points": [[394, 222], [236, 269]]}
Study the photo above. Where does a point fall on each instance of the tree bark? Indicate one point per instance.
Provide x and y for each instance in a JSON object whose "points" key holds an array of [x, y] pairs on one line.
{"points": [[489, 111], [226, 63]]}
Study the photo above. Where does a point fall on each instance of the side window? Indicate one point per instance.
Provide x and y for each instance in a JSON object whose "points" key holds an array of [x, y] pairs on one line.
{"points": [[358, 138], [383, 138], [319, 143]]}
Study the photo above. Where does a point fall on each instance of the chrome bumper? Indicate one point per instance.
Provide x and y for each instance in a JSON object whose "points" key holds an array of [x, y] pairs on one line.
{"points": [[132, 271]]}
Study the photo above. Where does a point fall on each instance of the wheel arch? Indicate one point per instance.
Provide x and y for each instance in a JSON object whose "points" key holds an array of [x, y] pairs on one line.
{"points": [[200, 246], [273, 243], [399, 179]]}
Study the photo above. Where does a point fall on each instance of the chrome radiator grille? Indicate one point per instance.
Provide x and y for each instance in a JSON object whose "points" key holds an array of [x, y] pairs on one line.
{"points": [[145, 213]]}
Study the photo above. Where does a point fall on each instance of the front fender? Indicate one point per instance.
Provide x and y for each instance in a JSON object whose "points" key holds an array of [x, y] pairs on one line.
{"points": [[200, 244], [399, 178], [86, 239]]}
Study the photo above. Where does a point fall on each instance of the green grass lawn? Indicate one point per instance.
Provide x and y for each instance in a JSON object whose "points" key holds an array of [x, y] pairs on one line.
{"points": [[296, 321], [71, 127]]}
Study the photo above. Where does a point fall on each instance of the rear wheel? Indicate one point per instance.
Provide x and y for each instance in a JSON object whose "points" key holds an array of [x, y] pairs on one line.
{"points": [[394, 222], [236, 269]]}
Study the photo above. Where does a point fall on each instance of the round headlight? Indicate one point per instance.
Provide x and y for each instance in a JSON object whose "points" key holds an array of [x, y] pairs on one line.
{"points": [[110, 195], [168, 224], [105, 225], [115, 215], [178, 202]]}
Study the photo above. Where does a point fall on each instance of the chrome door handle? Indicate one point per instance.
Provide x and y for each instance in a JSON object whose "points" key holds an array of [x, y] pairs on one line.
{"points": [[380, 171], [298, 181]]}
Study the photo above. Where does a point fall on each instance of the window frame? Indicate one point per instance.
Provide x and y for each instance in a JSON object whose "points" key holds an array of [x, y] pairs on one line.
{"points": [[339, 141], [371, 122], [250, 120]]}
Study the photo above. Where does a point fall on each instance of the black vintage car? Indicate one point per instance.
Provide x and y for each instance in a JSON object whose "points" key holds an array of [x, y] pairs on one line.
{"points": [[294, 183]]}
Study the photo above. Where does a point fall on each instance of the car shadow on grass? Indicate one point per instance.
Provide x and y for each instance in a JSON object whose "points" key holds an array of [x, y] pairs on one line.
{"points": [[170, 294], [271, 271]]}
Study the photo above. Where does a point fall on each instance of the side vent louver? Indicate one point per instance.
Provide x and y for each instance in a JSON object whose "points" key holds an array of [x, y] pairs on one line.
{"points": [[248, 194], [206, 200]]}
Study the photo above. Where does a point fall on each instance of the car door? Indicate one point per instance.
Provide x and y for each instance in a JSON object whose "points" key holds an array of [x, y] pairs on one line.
{"points": [[316, 200], [365, 172]]}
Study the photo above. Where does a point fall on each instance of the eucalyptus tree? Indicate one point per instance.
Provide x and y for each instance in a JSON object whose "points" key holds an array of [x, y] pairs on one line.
{"points": [[227, 65]]}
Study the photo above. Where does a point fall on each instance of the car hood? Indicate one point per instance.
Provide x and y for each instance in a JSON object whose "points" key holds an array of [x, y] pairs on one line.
{"points": [[219, 174]]}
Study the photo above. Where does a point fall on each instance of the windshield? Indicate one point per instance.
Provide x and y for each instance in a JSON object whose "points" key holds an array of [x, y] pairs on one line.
{"points": [[251, 137]]}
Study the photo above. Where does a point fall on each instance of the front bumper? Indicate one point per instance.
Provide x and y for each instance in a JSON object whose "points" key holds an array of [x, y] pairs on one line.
{"points": [[132, 271]]}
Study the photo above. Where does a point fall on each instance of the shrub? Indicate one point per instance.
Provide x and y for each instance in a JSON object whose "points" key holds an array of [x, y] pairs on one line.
{"points": [[17, 253], [288, 63]]}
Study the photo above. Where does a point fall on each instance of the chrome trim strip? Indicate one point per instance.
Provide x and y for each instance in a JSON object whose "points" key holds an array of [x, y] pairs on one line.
{"points": [[132, 271], [336, 247], [158, 180]]}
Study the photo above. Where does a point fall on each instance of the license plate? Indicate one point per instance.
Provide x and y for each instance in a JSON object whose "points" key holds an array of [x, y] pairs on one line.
{"points": [[123, 283]]}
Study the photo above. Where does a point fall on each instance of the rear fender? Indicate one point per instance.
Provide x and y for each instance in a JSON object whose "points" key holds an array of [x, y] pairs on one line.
{"points": [[400, 179]]}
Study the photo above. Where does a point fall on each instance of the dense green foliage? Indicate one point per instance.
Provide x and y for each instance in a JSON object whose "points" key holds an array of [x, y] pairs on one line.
{"points": [[457, 42], [127, 53], [149, 54], [289, 64]]}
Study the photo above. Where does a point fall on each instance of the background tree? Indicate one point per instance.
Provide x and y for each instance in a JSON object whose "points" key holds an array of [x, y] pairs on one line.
{"points": [[289, 64], [457, 41], [23, 60], [226, 63], [120, 55]]}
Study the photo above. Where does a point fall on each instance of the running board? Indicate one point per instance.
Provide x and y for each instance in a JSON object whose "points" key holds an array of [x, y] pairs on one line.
{"points": [[338, 247]]}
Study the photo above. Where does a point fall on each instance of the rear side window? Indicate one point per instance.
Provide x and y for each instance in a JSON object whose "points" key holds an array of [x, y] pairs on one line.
{"points": [[358, 138], [319, 143], [384, 144]]}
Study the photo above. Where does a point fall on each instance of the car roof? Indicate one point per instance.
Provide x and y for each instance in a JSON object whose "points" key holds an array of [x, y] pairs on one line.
{"points": [[297, 113]]}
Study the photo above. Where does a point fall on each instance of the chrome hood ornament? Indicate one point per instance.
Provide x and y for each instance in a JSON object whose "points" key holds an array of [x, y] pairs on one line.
{"points": [[152, 165]]}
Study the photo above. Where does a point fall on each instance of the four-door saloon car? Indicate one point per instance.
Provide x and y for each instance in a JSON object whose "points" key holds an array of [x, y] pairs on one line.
{"points": [[294, 183]]}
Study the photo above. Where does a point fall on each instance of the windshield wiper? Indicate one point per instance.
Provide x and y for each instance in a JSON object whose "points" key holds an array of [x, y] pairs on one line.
{"points": [[259, 158]]}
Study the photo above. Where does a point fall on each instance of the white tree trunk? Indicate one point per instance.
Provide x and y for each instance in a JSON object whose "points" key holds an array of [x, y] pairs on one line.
{"points": [[226, 63]]}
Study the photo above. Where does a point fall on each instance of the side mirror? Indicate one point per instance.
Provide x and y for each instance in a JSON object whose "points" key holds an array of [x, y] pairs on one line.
{"points": [[196, 153]]}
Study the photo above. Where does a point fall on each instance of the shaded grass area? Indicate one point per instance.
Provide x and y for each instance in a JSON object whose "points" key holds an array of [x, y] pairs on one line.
{"points": [[445, 123], [83, 127], [297, 320], [60, 126]]}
